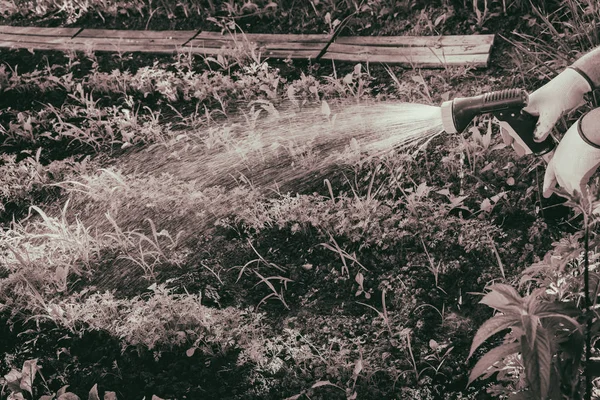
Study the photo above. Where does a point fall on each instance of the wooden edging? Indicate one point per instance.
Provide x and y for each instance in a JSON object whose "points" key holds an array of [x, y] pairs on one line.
{"points": [[415, 51]]}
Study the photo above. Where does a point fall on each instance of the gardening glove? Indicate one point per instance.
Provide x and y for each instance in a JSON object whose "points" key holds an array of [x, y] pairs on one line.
{"points": [[576, 158], [562, 94]]}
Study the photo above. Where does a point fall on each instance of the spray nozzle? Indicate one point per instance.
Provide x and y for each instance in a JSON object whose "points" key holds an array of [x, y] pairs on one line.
{"points": [[507, 106]]}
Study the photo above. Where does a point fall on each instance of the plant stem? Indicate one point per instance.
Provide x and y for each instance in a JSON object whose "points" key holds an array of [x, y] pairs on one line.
{"points": [[588, 326]]}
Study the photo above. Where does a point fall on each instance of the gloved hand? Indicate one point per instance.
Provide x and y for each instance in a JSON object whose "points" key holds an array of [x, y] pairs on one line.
{"points": [[562, 94], [574, 160]]}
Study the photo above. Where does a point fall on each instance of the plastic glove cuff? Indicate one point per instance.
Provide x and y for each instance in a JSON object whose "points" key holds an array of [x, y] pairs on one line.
{"points": [[584, 75], [582, 135]]}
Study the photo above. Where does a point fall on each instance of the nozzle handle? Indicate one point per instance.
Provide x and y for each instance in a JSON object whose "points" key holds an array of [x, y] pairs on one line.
{"points": [[504, 100], [464, 109], [523, 124]]}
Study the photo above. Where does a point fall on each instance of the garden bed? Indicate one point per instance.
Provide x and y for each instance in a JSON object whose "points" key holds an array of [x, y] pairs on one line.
{"points": [[140, 258]]}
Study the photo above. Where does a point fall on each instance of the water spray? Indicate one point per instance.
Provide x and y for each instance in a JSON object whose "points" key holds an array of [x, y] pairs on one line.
{"points": [[507, 106]]}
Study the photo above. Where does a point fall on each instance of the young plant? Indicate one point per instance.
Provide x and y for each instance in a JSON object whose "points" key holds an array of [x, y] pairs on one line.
{"points": [[544, 332]]}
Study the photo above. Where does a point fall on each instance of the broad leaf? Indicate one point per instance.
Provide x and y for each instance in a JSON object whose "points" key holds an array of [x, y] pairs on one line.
{"points": [[62, 390], [530, 324], [560, 307], [13, 379], [93, 395], [491, 327], [491, 358], [68, 396], [28, 375], [110, 396], [503, 298], [538, 363]]}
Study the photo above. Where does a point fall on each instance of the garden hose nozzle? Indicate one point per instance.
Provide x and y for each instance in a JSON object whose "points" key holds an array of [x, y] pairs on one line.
{"points": [[507, 106]]}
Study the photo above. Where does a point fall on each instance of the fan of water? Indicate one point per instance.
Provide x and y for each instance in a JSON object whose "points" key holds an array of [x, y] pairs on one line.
{"points": [[292, 146]]}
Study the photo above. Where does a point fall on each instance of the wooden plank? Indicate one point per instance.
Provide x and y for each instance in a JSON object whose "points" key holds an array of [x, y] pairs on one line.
{"points": [[343, 48], [266, 37], [296, 54], [404, 41], [65, 46], [211, 43], [476, 60], [34, 31], [413, 41], [116, 48], [182, 36], [126, 42], [414, 51], [90, 42], [30, 46], [217, 44], [301, 50], [422, 61]]}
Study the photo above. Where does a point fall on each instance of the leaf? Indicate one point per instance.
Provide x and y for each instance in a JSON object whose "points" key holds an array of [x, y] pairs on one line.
{"points": [[487, 138], [477, 137], [110, 396], [47, 397], [491, 358], [360, 279], [348, 79], [62, 390], [322, 383], [418, 79], [422, 190], [29, 369], [503, 298], [538, 363], [12, 380], [190, 352], [325, 110], [457, 201], [93, 395], [439, 19], [291, 93], [489, 328], [486, 205], [68, 396], [487, 167], [358, 69], [358, 367], [530, 325], [497, 197]]}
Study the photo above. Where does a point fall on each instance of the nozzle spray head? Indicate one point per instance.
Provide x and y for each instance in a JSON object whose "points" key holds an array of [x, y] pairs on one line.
{"points": [[507, 106]]}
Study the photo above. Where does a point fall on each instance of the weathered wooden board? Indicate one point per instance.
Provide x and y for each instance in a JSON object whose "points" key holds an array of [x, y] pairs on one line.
{"points": [[180, 36], [415, 51], [33, 31]]}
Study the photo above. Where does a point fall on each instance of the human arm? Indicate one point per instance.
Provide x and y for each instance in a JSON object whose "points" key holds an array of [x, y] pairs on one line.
{"points": [[577, 156]]}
